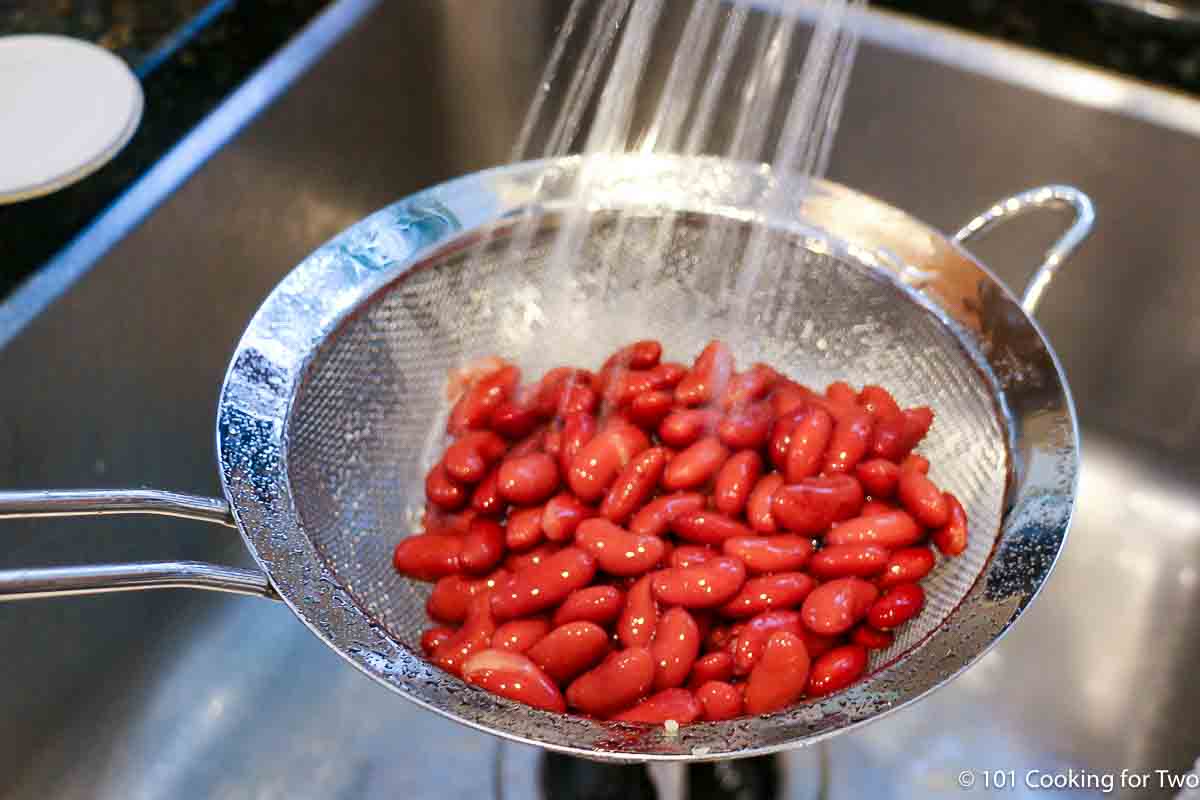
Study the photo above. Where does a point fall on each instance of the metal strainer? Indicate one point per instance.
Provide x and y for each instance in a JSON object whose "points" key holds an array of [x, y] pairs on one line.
{"points": [[325, 413]]}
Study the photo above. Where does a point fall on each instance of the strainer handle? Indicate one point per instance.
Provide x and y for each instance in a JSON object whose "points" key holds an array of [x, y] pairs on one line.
{"points": [[34, 582], [1018, 204]]}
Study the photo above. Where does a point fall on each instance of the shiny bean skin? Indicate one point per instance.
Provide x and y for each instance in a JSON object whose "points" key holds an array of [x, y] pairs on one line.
{"points": [[685, 555], [695, 466], [515, 419], [562, 515], [736, 479], [784, 553], [896, 436], [907, 565], [921, 498], [808, 441], [708, 378], [702, 585], [836, 670], [570, 649], [780, 676], [915, 461], [746, 387], [615, 684], [446, 524], [837, 606], [872, 507], [899, 605], [655, 517], [598, 462], [842, 393], [878, 402], [486, 498], [720, 638], [520, 634], [816, 643], [758, 507], [679, 705], [780, 439], [514, 676], [427, 556], [951, 539], [549, 392], [850, 442], [781, 590], [707, 527], [524, 528], [527, 480], [616, 550], [813, 504], [746, 428], [871, 638], [788, 397], [649, 409], [878, 477], [444, 492], [675, 647], [467, 460], [482, 547], [639, 618], [475, 635], [716, 666], [642, 354], [475, 407], [635, 484], [753, 635], [893, 530], [719, 701], [849, 560], [684, 428], [518, 562], [452, 595], [433, 638], [599, 604], [543, 586], [577, 431]]}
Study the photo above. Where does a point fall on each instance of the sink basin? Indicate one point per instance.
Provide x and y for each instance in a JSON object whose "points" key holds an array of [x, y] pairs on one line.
{"points": [[114, 382]]}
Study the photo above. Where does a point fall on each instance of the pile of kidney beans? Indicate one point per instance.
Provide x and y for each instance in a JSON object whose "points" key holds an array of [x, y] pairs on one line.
{"points": [[654, 542]]}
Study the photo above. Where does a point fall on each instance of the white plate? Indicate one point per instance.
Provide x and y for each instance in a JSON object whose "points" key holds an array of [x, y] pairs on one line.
{"points": [[66, 108]]}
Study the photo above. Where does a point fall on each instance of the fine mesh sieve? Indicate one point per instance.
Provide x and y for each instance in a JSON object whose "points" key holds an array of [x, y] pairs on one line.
{"points": [[324, 426]]}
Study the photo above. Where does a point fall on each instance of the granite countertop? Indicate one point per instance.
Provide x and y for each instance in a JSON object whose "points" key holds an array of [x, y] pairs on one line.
{"points": [[190, 54]]}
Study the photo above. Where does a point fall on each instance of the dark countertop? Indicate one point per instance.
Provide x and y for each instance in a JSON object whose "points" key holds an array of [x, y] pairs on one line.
{"points": [[190, 54]]}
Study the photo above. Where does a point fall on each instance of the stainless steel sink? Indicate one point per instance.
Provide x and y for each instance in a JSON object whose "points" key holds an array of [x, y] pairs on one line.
{"points": [[112, 360]]}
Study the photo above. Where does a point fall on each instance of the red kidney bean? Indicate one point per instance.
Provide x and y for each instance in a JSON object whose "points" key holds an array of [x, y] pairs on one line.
{"points": [[719, 701], [781, 590], [444, 492], [516, 418], [616, 550], [683, 428], [849, 443], [655, 517], [818, 644], [545, 585], [427, 556], [915, 461], [685, 555], [468, 458], [598, 462], [701, 585], [899, 605], [872, 507], [451, 596], [569, 650], [753, 635], [577, 399], [577, 431], [836, 670], [708, 377], [907, 565], [921, 498], [808, 440], [749, 386], [642, 354], [528, 479], [779, 677], [433, 638], [849, 560], [736, 479], [842, 394], [548, 393], [514, 676], [837, 606], [788, 397], [482, 547], [720, 638], [813, 504], [615, 684], [679, 705], [623, 386], [747, 427], [952, 538], [783, 553], [780, 438], [639, 618], [524, 528], [878, 477], [486, 498], [475, 635], [878, 402], [439, 522], [649, 409], [562, 515], [520, 634], [635, 485], [872, 639], [481, 399], [518, 562], [599, 604], [895, 436], [758, 507], [712, 667], [675, 647], [893, 530], [707, 527]]}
